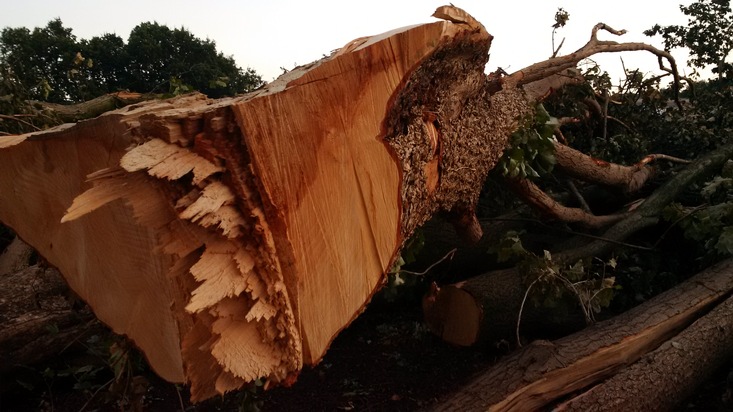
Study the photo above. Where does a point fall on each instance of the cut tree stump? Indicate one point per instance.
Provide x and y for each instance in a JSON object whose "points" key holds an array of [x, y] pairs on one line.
{"points": [[543, 372], [233, 239]]}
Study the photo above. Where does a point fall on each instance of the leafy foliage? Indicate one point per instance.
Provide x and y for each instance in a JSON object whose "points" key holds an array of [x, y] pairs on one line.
{"points": [[530, 152], [555, 286], [710, 226], [561, 18], [53, 65], [157, 54], [708, 34], [17, 114]]}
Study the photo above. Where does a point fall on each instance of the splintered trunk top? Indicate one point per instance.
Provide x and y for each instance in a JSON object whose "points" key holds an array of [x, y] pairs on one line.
{"points": [[252, 230]]}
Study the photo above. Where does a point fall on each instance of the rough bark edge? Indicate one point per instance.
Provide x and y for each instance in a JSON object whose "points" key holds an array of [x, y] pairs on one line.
{"points": [[664, 378]]}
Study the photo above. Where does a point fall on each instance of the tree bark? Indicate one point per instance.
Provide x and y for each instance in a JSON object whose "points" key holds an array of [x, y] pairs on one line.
{"points": [[71, 113], [252, 230], [543, 372], [664, 378], [581, 166]]}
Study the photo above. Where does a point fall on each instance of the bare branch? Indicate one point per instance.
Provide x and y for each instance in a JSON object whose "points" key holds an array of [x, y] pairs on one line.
{"points": [[584, 167], [652, 157], [594, 46], [540, 201]]}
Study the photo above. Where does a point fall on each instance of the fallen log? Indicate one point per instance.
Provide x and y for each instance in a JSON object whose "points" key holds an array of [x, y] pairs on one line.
{"points": [[252, 230], [543, 372], [664, 378]]}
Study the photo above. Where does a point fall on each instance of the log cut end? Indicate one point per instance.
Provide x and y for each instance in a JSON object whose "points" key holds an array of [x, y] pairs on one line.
{"points": [[452, 314]]}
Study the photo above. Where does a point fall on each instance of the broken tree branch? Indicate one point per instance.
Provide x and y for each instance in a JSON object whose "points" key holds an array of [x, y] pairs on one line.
{"points": [[594, 46], [540, 201]]}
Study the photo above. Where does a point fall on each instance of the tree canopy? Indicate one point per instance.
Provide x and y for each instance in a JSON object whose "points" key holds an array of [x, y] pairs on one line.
{"points": [[708, 34], [52, 64]]}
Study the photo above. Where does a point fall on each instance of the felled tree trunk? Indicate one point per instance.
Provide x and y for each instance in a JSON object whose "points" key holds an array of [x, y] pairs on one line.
{"points": [[233, 239], [664, 378], [544, 372]]}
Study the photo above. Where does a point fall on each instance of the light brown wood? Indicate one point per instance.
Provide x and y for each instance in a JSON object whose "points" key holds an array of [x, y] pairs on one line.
{"points": [[233, 239]]}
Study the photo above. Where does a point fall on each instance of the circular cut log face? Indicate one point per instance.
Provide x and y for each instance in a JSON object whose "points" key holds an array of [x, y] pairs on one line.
{"points": [[453, 314]]}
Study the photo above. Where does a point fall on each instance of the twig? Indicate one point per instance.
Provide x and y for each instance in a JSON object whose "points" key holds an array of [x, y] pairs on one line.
{"points": [[449, 254], [570, 232], [578, 196], [606, 98], [556, 51], [180, 399], [627, 127], [4, 116], [652, 157], [109, 382], [521, 308], [685, 216]]}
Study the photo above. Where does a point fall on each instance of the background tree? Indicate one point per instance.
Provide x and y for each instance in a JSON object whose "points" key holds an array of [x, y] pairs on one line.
{"points": [[42, 59], [158, 56], [53, 65], [708, 35]]}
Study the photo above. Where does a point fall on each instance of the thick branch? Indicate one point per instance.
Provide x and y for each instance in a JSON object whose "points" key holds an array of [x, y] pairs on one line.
{"points": [[557, 65], [584, 167], [531, 194]]}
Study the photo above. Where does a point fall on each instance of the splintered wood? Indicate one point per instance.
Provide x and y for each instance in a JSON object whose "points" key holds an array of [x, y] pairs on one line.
{"points": [[237, 300], [234, 239]]}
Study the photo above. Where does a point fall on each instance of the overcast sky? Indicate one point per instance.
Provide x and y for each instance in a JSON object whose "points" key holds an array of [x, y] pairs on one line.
{"points": [[268, 34]]}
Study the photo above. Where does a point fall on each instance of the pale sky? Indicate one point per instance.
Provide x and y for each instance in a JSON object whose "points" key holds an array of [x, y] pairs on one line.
{"points": [[268, 34]]}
